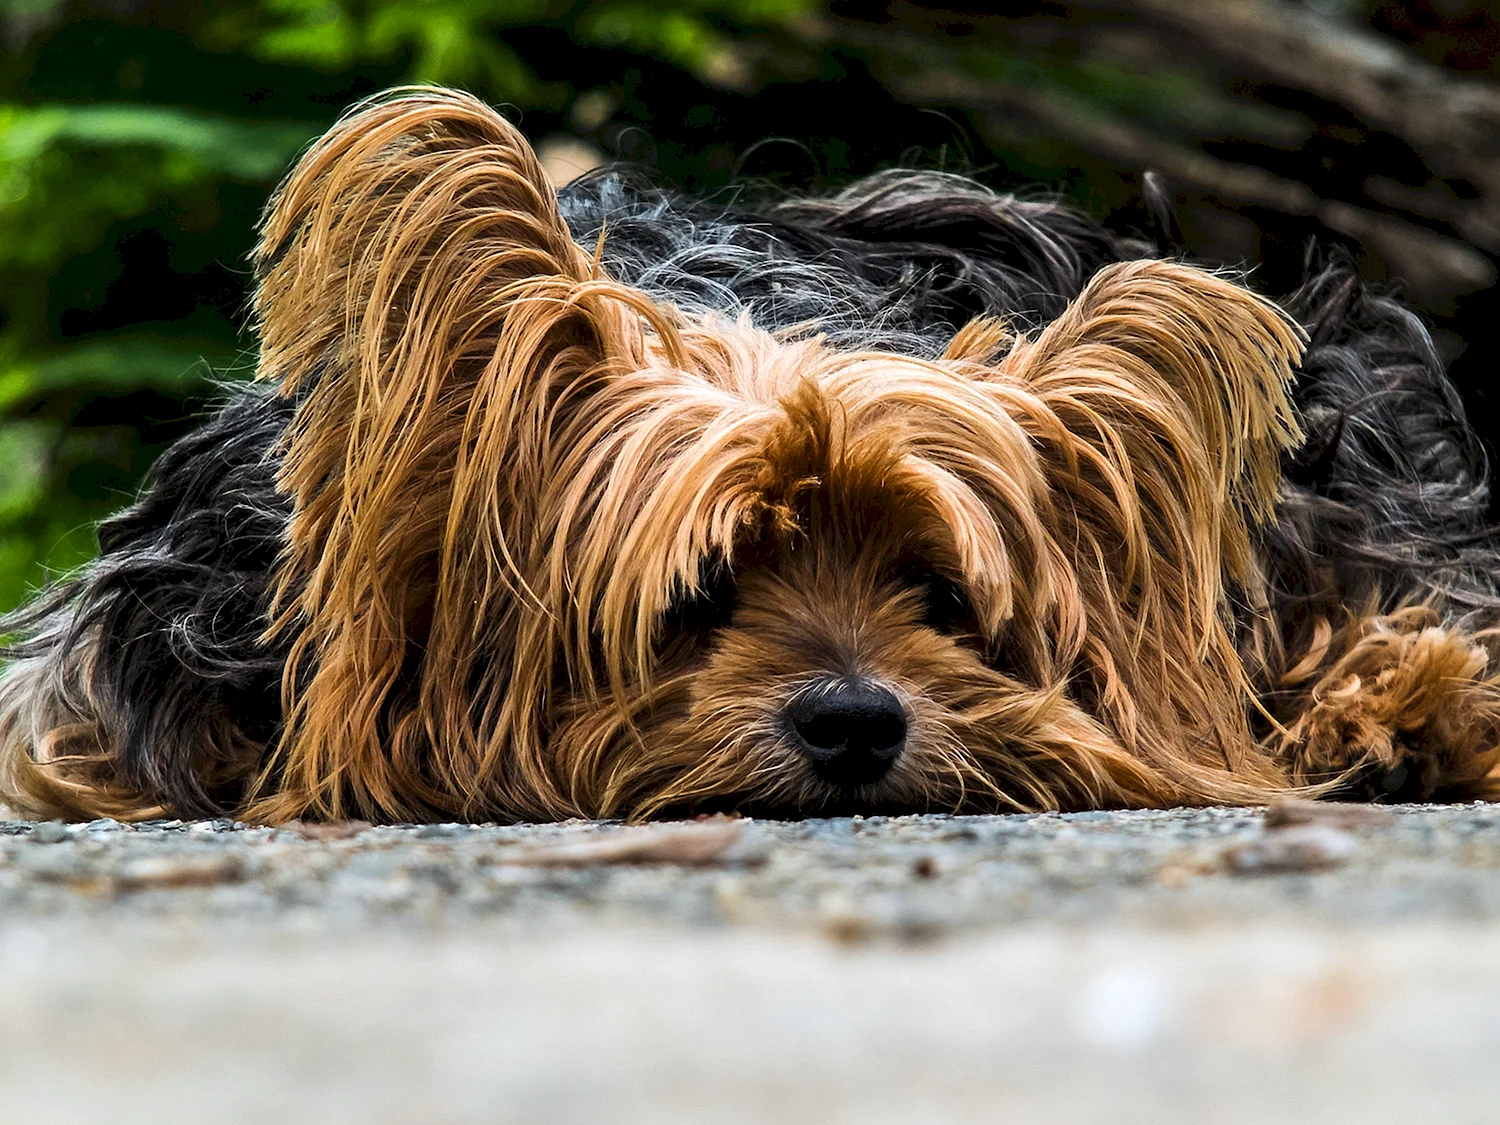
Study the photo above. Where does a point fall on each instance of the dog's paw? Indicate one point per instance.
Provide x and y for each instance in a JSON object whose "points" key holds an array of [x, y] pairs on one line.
{"points": [[1408, 714]]}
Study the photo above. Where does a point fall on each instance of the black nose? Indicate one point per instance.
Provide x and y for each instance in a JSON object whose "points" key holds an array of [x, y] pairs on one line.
{"points": [[850, 731]]}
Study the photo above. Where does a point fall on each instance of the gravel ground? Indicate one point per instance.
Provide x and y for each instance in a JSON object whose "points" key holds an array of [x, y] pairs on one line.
{"points": [[1167, 966]]}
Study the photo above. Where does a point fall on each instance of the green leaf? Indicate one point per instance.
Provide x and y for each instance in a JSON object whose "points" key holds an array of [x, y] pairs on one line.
{"points": [[246, 150], [117, 365]]}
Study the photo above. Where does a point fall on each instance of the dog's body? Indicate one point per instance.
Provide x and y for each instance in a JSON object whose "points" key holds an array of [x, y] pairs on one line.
{"points": [[614, 503]]}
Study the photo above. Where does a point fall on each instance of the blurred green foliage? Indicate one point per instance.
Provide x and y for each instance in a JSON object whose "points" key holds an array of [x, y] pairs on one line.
{"points": [[137, 143]]}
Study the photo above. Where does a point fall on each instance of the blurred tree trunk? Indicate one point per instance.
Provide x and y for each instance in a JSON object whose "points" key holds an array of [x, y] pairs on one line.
{"points": [[1437, 231], [1276, 124]]}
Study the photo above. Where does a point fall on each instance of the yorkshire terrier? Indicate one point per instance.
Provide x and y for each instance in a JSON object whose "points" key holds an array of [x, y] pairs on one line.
{"points": [[606, 502]]}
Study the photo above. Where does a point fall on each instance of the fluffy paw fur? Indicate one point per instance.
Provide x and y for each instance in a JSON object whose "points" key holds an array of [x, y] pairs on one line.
{"points": [[1410, 711]]}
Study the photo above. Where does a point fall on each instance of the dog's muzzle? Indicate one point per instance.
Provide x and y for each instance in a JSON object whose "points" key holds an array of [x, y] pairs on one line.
{"points": [[851, 731]]}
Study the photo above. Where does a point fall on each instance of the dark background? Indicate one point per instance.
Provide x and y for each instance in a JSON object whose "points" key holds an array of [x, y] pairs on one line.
{"points": [[138, 141]]}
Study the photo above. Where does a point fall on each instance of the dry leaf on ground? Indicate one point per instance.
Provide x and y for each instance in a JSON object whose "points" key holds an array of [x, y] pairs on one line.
{"points": [[331, 830], [177, 873], [716, 840], [1291, 811]]}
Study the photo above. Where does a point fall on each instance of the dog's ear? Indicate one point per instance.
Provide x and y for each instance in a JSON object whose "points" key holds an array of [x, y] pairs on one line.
{"points": [[1160, 401], [421, 298], [1180, 380]]}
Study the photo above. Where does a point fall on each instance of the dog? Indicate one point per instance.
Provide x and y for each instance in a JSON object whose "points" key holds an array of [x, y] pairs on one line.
{"points": [[609, 502]]}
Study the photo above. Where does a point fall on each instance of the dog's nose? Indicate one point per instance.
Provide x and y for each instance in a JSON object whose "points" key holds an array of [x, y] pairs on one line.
{"points": [[851, 732]]}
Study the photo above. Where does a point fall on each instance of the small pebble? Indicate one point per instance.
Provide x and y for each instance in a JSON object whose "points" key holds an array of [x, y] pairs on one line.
{"points": [[848, 929], [49, 832], [442, 831], [1301, 847]]}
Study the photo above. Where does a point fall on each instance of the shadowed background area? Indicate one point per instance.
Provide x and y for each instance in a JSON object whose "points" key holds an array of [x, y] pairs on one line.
{"points": [[138, 141]]}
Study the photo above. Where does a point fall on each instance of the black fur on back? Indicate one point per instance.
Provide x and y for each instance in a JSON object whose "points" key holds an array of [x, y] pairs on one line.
{"points": [[1387, 498], [899, 261], [173, 609]]}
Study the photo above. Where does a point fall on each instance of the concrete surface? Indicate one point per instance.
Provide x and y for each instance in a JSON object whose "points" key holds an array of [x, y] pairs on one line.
{"points": [[1116, 967]]}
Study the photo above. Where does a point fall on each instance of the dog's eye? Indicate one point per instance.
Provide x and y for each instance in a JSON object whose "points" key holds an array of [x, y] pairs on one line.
{"points": [[948, 609], [945, 604], [706, 608]]}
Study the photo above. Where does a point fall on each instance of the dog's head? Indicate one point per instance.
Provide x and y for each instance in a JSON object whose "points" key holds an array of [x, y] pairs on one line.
{"points": [[799, 579], [559, 549]]}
